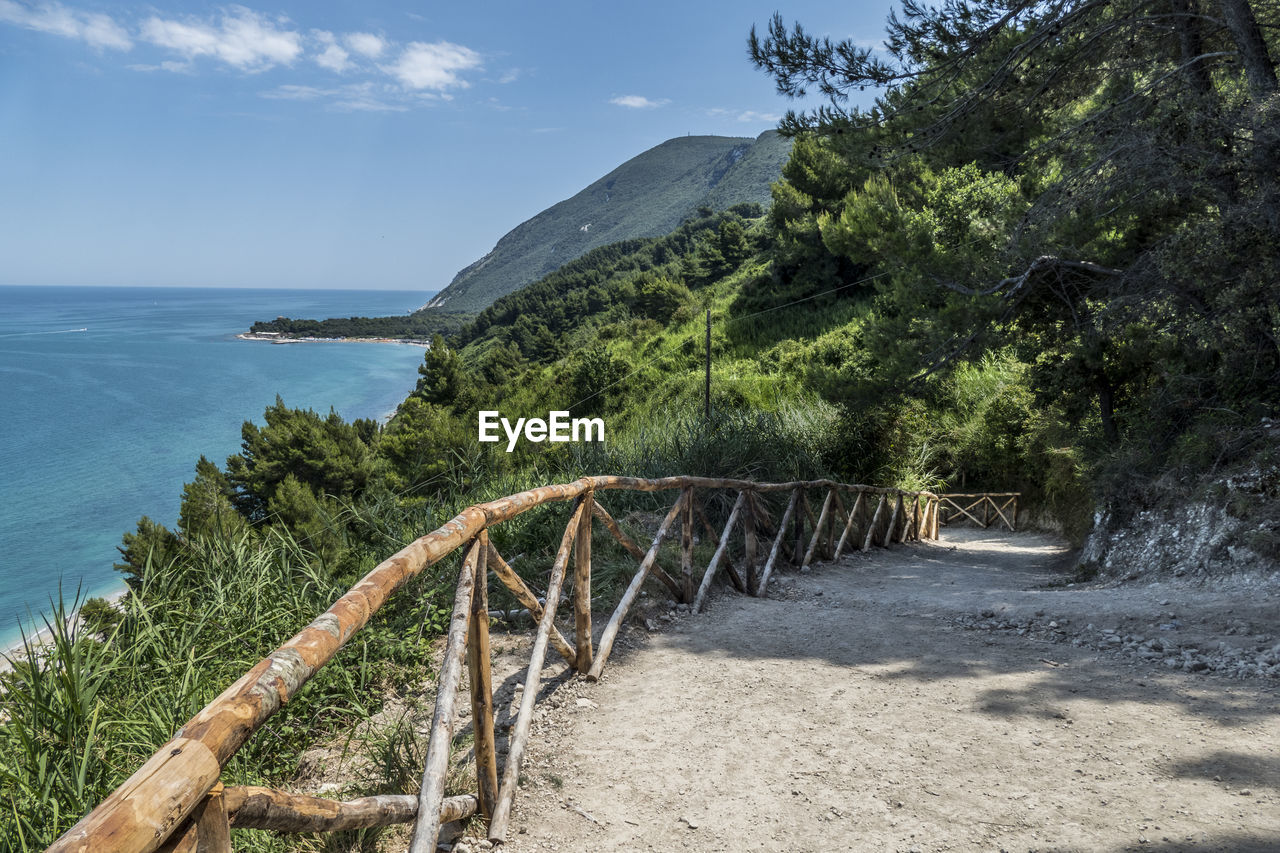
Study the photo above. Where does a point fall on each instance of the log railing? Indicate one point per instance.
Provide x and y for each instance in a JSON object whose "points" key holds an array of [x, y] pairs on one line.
{"points": [[982, 508], [175, 801]]}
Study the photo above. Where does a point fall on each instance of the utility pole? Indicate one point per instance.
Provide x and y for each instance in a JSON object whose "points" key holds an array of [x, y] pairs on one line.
{"points": [[708, 386]]}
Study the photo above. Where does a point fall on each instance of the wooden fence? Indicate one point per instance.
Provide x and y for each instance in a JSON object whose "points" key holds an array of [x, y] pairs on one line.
{"points": [[175, 801], [982, 508]]}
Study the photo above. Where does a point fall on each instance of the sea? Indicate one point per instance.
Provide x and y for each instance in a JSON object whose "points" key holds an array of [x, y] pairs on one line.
{"points": [[109, 395]]}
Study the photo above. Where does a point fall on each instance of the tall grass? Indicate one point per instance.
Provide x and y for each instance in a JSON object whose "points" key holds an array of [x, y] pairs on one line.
{"points": [[81, 712]]}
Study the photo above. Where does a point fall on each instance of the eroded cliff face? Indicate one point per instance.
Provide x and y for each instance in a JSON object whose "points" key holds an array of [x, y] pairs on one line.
{"points": [[1235, 530]]}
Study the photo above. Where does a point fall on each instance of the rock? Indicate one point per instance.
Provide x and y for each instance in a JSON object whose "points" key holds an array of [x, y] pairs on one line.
{"points": [[586, 703], [461, 847]]}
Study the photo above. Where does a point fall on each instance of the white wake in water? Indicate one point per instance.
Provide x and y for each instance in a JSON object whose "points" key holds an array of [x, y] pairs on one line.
{"points": [[51, 332]]}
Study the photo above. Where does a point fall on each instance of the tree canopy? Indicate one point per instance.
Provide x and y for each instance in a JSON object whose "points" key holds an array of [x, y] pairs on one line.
{"points": [[1094, 183]]}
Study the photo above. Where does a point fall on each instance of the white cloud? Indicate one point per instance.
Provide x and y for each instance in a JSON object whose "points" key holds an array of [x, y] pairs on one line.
{"points": [[638, 102], [95, 29], [242, 39], [167, 65], [509, 76], [433, 65], [245, 40], [333, 56], [744, 115], [365, 44], [362, 97]]}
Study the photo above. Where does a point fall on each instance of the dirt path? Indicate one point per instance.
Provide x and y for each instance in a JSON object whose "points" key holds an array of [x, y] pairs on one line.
{"points": [[927, 698]]}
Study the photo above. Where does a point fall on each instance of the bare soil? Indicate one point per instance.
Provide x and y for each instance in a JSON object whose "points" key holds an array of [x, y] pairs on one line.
{"points": [[939, 696]]}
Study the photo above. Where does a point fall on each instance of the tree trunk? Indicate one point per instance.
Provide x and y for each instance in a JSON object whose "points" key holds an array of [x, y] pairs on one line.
{"points": [[1191, 45], [1259, 69], [1106, 407]]}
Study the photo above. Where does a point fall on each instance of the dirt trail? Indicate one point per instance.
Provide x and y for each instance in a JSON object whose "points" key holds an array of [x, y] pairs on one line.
{"points": [[888, 702]]}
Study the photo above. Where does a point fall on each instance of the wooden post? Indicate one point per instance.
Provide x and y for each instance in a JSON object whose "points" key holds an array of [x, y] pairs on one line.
{"points": [[777, 542], [686, 549], [478, 663], [582, 586], [431, 794], [893, 522], [632, 548], [875, 520], [213, 827], [837, 512], [633, 590], [720, 552], [525, 596], [848, 526], [818, 528], [524, 719], [797, 553]]}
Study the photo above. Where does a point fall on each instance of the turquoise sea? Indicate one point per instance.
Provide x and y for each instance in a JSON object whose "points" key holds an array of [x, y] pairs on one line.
{"points": [[109, 395]]}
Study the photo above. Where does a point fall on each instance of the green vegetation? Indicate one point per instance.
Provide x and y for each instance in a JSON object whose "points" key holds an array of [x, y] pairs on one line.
{"points": [[647, 196], [417, 326], [1045, 261], [1088, 188]]}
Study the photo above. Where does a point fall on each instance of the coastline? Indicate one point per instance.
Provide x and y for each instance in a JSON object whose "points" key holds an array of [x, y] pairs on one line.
{"points": [[41, 638], [280, 338]]}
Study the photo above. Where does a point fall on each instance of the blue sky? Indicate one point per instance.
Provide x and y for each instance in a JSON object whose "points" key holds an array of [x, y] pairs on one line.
{"points": [[353, 145]]}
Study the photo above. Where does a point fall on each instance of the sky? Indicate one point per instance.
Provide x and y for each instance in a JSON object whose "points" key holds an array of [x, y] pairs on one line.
{"points": [[362, 145]]}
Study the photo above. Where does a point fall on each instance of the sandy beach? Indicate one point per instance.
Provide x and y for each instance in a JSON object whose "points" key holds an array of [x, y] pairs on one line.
{"points": [[42, 637]]}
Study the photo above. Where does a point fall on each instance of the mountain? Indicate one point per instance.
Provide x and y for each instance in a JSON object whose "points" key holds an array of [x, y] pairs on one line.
{"points": [[647, 196]]}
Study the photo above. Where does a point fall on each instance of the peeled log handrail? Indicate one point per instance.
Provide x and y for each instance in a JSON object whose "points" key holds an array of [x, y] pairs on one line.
{"points": [[254, 807], [164, 793]]}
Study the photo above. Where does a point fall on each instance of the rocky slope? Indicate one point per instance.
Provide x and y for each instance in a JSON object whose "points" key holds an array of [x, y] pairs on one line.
{"points": [[648, 196]]}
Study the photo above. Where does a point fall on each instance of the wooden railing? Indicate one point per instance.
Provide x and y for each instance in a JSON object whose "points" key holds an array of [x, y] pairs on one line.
{"points": [[989, 505], [175, 801]]}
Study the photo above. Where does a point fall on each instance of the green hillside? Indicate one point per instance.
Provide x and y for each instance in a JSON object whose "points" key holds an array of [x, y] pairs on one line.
{"points": [[647, 196]]}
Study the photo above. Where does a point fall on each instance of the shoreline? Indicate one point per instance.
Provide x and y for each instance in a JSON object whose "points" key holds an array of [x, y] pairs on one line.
{"points": [[42, 637], [280, 338]]}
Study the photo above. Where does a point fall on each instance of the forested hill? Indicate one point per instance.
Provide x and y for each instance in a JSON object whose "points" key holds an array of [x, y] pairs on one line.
{"points": [[647, 196]]}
